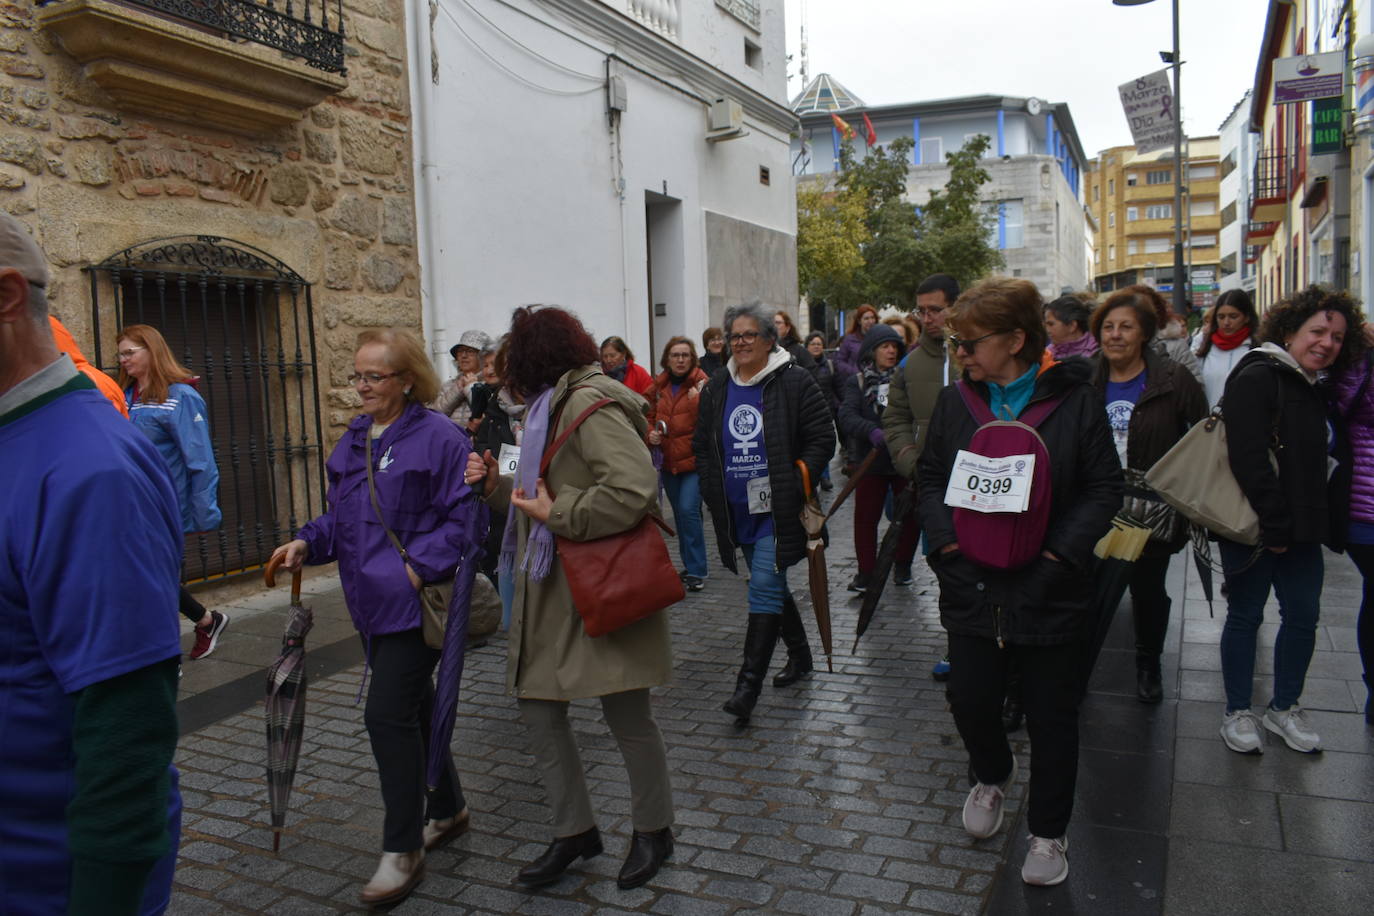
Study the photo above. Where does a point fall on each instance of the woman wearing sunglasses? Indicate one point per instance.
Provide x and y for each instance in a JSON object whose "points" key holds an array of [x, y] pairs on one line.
{"points": [[1031, 616]]}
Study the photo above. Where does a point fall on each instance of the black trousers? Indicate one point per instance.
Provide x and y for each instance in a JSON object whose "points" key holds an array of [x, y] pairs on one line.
{"points": [[1049, 697], [190, 608], [400, 702], [1150, 604]]}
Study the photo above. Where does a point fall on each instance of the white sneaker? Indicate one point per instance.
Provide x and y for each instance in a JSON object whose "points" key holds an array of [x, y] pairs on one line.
{"points": [[1241, 734], [983, 807], [1047, 861], [1291, 725], [397, 875]]}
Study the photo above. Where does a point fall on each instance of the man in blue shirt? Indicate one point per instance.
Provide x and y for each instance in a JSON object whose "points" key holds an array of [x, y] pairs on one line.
{"points": [[90, 557]]}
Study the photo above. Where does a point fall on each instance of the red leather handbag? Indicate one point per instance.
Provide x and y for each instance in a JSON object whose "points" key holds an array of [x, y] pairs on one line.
{"points": [[622, 578]]}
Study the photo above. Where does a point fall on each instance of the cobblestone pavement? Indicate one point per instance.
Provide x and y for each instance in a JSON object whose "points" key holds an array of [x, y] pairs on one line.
{"points": [[842, 797]]}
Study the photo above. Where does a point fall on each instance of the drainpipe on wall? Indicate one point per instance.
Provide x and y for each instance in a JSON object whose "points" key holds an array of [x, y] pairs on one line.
{"points": [[420, 40]]}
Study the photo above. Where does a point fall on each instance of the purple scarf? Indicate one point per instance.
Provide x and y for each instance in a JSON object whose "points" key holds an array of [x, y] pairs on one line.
{"points": [[539, 546], [1083, 346]]}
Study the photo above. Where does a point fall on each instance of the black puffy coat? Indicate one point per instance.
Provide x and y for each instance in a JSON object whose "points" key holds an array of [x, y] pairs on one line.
{"points": [[1264, 394], [1047, 602], [796, 425]]}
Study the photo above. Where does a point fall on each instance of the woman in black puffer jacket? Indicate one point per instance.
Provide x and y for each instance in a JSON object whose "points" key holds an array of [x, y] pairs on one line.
{"points": [[755, 421], [1034, 615]]}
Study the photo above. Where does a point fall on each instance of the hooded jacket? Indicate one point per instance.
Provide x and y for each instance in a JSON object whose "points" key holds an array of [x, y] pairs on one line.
{"points": [[860, 413], [107, 386], [418, 466], [796, 425], [181, 431], [679, 412], [1269, 394], [921, 375], [1047, 602]]}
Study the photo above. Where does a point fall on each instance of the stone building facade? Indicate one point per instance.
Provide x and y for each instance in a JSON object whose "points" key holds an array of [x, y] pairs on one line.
{"points": [[251, 201]]}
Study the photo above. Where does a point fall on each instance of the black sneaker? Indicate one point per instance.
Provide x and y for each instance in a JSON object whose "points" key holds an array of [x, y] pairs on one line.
{"points": [[901, 575], [693, 583], [859, 583]]}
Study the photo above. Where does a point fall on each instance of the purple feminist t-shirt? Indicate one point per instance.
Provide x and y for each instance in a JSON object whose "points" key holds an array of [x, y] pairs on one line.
{"points": [[747, 488]]}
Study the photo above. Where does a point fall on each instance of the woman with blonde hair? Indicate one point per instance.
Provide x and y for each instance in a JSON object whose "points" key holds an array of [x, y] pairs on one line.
{"points": [[164, 403], [413, 457]]}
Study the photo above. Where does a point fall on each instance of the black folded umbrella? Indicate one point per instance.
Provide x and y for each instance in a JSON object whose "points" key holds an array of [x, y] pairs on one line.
{"points": [[1116, 553], [285, 708], [887, 552]]}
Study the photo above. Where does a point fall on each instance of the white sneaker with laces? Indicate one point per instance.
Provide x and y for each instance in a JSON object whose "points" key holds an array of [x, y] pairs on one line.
{"points": [[983, 807], [1291, 725], [1047, 861], [1240, 732]]}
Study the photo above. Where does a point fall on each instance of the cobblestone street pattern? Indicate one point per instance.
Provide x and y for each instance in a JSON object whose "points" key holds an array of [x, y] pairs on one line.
{"points": [[843, 796]]}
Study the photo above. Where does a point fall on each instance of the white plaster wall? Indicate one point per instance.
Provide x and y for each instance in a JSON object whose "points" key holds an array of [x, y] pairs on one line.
{"points": [[520, 173]]}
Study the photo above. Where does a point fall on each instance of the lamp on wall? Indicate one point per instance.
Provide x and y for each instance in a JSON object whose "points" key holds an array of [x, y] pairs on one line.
{"points": [[1180, 278]]}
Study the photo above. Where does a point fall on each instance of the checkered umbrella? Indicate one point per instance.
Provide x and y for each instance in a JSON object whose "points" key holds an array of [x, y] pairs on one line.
{"points": [[286, 682]]}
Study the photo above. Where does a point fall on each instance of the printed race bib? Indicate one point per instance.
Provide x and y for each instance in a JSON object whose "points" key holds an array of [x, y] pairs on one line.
{"points": [[509, 460], [882, 393], [760, 496], [990, 484]]}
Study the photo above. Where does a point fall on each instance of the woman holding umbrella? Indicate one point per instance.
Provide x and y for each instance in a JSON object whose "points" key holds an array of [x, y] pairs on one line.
{"points": [[1151, 402], [600, 482], [418, 456], [755, 421], [1033, 614]]}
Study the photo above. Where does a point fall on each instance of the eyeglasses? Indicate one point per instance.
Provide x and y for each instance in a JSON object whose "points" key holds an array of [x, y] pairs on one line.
{"points": [[129, 353], [968, 346], [372, 378], [931, 310], [744, 337]]}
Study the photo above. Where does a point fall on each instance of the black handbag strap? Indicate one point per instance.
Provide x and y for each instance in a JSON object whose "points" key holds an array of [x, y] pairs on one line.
{"points": [[372, 493]]}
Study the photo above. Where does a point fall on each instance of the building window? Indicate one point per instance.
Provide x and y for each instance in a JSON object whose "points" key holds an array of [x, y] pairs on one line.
{"points": [[1202, 172], [1111, 219], [1157, 246], [753, 55], [1228, 214], [1159, 211], [1012, 217], [1111, 253], [1096, 188], [1207, 206], [1111, 186], [1204, 240], [1228, 165], [1131, 180], [1159, 176], [933, 151], [1132, 214], [1133, 246]]}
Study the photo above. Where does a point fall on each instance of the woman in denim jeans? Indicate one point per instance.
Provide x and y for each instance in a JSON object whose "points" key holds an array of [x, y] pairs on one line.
{"points": [[1274, 407], [673, 404]]}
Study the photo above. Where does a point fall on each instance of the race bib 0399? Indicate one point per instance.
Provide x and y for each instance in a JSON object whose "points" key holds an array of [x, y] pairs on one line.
{"points": [[986, 484]]}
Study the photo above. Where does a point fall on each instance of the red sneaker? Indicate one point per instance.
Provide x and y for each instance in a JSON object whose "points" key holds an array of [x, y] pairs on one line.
{"points": [[207, 639]]}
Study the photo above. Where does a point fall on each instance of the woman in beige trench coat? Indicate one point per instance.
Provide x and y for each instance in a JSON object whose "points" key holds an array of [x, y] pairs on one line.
{"points": [[599, 483]]}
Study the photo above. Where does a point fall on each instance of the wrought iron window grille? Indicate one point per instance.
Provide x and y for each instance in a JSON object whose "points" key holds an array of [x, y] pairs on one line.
{"points": [[293, 30], [243, 322]]}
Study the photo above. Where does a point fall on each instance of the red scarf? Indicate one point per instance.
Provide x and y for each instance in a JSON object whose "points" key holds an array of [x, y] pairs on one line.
{"points": [[1230, 341]]}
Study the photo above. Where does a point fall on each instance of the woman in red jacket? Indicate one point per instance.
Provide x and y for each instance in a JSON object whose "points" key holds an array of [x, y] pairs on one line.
{"points": [[673, 403], [619, 363]]}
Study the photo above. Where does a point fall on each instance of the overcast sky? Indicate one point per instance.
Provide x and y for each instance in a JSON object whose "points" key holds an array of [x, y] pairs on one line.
{"points": [[1074, 51]]}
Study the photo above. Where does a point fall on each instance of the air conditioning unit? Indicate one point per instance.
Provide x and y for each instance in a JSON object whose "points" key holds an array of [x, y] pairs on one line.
{"points": [[726, 121]]}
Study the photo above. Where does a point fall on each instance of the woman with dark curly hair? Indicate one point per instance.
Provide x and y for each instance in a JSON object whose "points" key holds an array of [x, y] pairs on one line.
{"points": [[599, 483], [1278, 441]]}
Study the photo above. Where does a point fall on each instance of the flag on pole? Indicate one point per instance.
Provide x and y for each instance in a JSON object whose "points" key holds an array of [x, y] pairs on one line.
{"points": [[870, 135], [843, 127]]}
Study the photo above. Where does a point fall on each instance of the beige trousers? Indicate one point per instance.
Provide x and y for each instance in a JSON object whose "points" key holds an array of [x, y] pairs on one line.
{"points": [[631, 720]]}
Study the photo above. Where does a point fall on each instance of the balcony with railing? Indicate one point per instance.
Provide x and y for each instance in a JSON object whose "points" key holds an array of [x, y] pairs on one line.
{"points": [[1272, 185], [240, 65], [1258, 233]]}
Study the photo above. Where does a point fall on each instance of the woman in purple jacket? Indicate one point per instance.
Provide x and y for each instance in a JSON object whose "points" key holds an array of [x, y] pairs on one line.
{"points": [[418, 458], [1354, 406]]}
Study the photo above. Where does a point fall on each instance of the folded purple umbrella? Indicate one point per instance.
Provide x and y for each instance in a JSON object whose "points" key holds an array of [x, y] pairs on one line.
{"points": [[450, 673]]}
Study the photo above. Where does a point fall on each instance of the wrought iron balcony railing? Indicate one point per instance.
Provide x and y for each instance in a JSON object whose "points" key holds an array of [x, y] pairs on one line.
{"points": [[312, 30], [1271, 175]]}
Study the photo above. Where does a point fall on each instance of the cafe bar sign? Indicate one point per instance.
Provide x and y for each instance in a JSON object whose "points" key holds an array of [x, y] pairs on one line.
{"points": [[1309, 76]]}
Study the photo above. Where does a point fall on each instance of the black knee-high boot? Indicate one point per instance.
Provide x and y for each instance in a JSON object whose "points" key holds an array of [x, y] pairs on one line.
{"points": [[759, 640], [799, 663]]}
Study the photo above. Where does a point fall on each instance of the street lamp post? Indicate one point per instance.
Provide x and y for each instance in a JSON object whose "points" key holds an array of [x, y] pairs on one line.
{"points": [[1180, 276]]}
